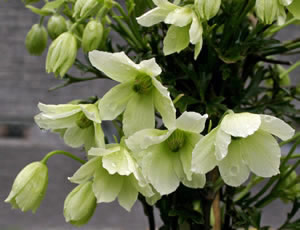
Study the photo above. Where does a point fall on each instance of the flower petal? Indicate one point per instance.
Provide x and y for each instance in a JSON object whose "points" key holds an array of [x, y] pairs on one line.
{"points": [[153, 17], [221, 144], [91, 111], [164, 104], [232, 168], [106, 187], [196, 31], [177, 39], [150, 67], [115, 101], [261, 153], [63, 110], [75, 136], [180, 17], [191, 122], [276, 127], [139, 114], [102, 151], [198, 48], [203, 155], [240, 124], [197, 181], [117, 66], [128, 194], [165, 4], [99, 136], [45, 122]]}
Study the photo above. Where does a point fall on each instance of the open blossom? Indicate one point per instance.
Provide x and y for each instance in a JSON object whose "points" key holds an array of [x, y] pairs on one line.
{"points": [[78, 124], [114, 174], [243, 142], [165, 156], [185, 25], [138, 95]]}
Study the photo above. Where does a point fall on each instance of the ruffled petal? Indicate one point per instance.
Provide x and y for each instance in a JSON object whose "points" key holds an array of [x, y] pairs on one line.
{"points": [[180, 17], [240, 124], [117, 66], [276, 127], [191, 122]]}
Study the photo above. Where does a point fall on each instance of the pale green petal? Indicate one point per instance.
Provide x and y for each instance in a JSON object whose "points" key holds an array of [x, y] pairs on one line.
{"points": [[197, 181], [139, 114], [102, 151], [128, 194], [63, 110], [221, 144], [153, 199], [198, 48], [196, 31], [117, 66], [158, 169], [177, 39], [294, 8], [153, 17], [99, 136], [203, 156], [261, 153], [232, 168], [62, 123], [91, 111], [150, 67], [75, 136], [106, 187], [191, 122], [164, 104], [86, 171], [240, 124], [145, 138], [165, 4], [266, 10], [180, 17], [114, 102], [286, 2], [276, 127]]}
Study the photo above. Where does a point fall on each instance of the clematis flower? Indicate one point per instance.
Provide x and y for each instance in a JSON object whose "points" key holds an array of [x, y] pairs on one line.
{"points": [[243, 142], [115, 174], [165, 156], [78, 124], [185, 26], [139, 93]]}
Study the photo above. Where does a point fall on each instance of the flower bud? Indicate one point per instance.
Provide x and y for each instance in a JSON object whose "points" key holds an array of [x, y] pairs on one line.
{"points": [[267, 10], [208, 8], [36, 40], [290, 187], [56, 26], [92, 36], [29, 187], [80, 204], [61, 54], [85, 8]]}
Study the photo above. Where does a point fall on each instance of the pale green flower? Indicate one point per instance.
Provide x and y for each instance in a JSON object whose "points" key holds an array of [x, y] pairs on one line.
{"points": [[243, 142], [139, 93], [78, 124], [185, 26], [29, 187], [115, 174], [165, 156], [208, 8], [85, 8], [80, 204]]}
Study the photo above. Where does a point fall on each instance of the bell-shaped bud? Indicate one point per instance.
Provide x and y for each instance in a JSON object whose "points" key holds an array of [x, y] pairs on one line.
{"points": [[85, 8], [56, 26], [62, 54], [29, 187], [36, 39], [92, 36], [267, 10], [208, 8], [80, 204]]}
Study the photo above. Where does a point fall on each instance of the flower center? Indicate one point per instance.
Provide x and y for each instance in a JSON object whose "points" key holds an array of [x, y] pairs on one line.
{"points": [[176, 140], [142, 84], [83, 122]]}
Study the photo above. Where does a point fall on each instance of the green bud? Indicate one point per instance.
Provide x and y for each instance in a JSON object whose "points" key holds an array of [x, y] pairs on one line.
{"points": [[80, 204], [85, 8], [176, 141], [56, 26], [83, 122], [298, 89], [143, 84], [208, 8], [62, 54], [267, 10], [36, 40], [92, 36], [29, 187], [290, 187], [26, 2]]}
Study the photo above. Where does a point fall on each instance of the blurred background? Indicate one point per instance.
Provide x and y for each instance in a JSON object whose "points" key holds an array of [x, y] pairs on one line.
{"points": [[24, 83]]}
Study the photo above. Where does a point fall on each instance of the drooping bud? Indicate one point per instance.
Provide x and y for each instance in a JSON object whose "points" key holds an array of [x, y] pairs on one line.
{"points": [[143, 84], [85, 8], [83, 122], [176, 141], [92, 36], [80, 204], [267, 10], [56, 26], [61, 54], [29, 187], [36, 39], [208, 8]]}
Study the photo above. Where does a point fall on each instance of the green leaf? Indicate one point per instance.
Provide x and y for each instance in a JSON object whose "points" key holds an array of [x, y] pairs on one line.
{"points": [[294, 8], [48, 8]]}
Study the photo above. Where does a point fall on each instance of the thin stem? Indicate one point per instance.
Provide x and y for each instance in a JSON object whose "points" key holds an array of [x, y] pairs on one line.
{"points": [[148, 210], [217, 212], [278, 28], [290, 69], [61, 152]]}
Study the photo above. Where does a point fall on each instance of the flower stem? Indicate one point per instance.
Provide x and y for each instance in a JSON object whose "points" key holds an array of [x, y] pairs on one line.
{"points": [[61, 152], [148, 210]]}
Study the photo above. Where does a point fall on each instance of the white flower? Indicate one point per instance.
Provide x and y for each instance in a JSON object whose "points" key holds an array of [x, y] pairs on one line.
{"points": [[243, 142]]}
